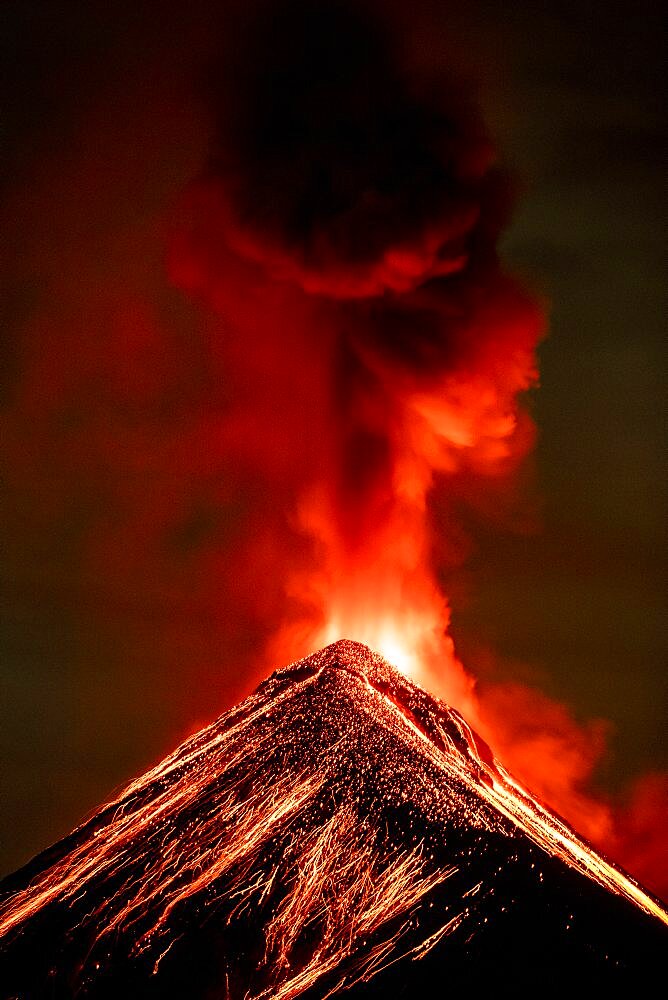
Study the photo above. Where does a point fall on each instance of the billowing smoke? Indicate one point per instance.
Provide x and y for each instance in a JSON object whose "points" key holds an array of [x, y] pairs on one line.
{"points": [[334, 172], [345, 229]]}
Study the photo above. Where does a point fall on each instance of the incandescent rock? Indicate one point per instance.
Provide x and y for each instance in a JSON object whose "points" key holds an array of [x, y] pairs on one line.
{"points": [[338, 829]]}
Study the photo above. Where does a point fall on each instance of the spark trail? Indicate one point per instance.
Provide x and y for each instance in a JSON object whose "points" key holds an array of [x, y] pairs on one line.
{"points": [[337, 822]]}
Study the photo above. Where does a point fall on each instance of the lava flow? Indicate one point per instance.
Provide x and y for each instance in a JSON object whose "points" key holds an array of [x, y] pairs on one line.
{"points": [[338, 822]]}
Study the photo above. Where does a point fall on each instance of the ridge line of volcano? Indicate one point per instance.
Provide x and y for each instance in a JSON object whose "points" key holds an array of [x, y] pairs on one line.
{"points": [[548, 830]]}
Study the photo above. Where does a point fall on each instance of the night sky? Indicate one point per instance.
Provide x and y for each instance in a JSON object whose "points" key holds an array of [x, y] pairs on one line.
{"points": [[123, 630]]}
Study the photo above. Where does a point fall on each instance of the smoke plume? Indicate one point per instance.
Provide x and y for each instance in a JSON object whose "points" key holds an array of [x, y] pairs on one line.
{"points": [[345, 229]]}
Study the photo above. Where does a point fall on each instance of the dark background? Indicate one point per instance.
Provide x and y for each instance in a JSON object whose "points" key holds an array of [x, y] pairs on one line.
{"points": [[120, 632]]}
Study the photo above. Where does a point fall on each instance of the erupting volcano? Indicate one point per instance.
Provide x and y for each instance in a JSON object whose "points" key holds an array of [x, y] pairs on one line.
{"points": [[367, 363], [339, 829]]}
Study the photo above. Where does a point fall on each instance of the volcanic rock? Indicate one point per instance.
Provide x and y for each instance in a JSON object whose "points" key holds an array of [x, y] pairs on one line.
{"points": [[340, 829]]}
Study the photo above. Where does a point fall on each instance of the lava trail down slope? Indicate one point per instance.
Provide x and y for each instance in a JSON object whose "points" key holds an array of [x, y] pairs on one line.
{"points": [[340, 829]]}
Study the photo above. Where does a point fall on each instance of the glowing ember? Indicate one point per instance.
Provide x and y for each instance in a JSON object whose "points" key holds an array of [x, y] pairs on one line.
{"points": [[337, 822]]}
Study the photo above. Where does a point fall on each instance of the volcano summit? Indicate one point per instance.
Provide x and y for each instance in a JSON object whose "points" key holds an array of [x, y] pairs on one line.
{"points": [[339, 829]]}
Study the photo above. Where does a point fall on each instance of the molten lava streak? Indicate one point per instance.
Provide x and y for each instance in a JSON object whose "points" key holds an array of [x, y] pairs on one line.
{"points": [[337, 821]]}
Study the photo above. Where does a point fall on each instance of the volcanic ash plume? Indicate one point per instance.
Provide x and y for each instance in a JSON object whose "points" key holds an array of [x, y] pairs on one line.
{"points": [[344, 232]]}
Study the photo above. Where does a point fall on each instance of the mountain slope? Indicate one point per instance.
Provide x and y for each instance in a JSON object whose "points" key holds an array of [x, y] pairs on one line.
{"points": [[339, 828]]}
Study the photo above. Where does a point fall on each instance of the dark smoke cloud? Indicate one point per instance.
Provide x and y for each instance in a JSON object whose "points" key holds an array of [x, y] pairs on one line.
{"points": [[336, 169], [340, 173]]}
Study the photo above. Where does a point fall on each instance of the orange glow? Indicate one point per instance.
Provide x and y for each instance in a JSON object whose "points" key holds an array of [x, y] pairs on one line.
{"points": [[377, 583]]}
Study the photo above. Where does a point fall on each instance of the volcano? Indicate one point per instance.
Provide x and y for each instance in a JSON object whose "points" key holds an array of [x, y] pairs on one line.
{"points": [[340, 830]]}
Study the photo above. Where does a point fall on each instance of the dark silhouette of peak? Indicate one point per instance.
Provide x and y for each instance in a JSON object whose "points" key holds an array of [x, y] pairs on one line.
{"points": [[339, 829]]}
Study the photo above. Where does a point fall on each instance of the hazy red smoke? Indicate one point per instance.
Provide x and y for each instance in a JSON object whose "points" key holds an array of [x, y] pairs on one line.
{"points": [[345, 229], [362, 359]]}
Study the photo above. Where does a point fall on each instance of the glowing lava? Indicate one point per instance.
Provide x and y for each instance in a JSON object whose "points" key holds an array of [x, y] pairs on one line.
{"points": [[337, 822]]}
